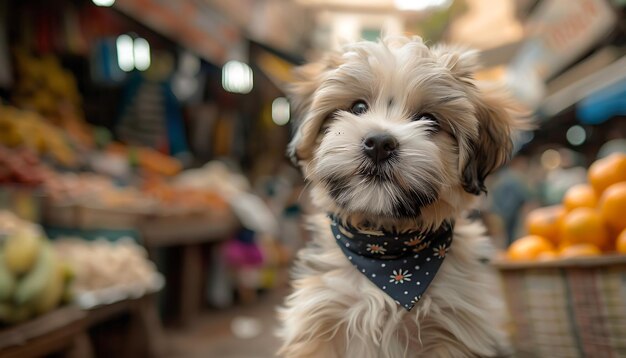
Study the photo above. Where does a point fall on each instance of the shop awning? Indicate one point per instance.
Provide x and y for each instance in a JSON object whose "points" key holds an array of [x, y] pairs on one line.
{"points": [[582, 87], [603, 104]]}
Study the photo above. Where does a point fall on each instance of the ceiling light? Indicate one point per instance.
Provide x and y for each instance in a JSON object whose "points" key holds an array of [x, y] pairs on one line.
{"points": [[141, 51], [237, 77], [105, 3], [280, 111], [420, 5], [125, 55]]}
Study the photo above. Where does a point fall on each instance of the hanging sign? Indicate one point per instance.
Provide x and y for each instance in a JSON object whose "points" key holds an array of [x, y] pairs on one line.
{"points": [[559, 33]]}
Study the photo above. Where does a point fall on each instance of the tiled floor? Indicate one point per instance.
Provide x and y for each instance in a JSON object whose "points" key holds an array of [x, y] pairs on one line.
{"points": [[211, 335]]}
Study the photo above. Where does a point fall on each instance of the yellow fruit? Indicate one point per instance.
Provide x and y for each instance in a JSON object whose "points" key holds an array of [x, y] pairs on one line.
{"points": [[580, 196], [7, 281], [21, 251], [580, 250], [607, 171], [545, 222], [584, 226], [52, 293], [32, 284], [620, 243], [613, 206], [529, 248]]}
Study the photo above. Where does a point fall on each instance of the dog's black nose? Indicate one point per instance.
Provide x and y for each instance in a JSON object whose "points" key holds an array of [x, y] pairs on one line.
{"points": [[379, 146]]}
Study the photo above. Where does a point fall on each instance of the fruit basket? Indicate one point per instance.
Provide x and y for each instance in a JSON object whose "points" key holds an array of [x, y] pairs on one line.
{"points": [[572, 307]]}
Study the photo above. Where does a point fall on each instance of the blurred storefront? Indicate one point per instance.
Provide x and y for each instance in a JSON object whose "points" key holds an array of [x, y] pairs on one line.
{"points": [[143, 182]]}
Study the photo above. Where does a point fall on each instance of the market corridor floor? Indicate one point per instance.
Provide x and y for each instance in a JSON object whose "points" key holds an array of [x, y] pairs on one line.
{"points": [[237, 332]]}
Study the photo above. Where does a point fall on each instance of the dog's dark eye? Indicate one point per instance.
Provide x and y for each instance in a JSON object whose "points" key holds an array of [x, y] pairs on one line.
{"points": [[359, 107], [424, 117], [431, 121]]}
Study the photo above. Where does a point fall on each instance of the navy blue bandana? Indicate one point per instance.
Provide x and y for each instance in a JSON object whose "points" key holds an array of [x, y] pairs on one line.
{"points": [[400, 264]]}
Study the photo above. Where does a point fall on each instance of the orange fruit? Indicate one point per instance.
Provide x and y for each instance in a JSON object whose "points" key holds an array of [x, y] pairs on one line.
{"points": [[620, 243], [613, 206], [547, 256], [580, 196], [528, 248], [580, 250], [545, 222], [607, 171], [584, 226]]}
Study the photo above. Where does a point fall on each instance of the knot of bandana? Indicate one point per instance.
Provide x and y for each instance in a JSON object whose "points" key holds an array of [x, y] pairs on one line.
{"points": [[401, 264]]}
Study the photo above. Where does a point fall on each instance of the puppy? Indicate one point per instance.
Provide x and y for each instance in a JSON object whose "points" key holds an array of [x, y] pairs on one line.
{"points": [[396, 140]]}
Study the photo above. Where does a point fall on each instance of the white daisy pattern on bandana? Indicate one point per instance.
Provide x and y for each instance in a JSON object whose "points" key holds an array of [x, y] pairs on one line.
{"points": [[421, 247], [440, 251], [415, 241], [375, 249], [401, 264], [399, 276]]}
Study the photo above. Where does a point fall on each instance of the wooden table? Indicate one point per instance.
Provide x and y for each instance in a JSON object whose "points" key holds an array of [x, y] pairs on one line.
{"points": [[66, 331], [189, 235], [142, 335], [60, 331]]}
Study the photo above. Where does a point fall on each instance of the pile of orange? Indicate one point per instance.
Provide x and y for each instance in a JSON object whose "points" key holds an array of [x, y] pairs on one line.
{"points": [[591, 220]]}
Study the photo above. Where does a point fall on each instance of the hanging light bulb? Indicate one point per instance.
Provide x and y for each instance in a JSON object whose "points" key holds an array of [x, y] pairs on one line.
{"points": [[125, 55], [280, 111], [141, 51], [103, 3], [420, 5], [237, 77]]}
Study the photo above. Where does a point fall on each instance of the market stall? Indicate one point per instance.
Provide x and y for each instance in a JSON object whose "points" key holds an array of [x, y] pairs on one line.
{"points": [[144, 186], [114, 217]]}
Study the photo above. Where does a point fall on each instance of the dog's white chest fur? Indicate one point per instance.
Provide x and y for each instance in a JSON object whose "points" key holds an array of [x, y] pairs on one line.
{"points": [[337, 312]]}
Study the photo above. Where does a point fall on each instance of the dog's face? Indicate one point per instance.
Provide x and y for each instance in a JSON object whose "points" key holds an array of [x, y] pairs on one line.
{"points": [[397, 130]]}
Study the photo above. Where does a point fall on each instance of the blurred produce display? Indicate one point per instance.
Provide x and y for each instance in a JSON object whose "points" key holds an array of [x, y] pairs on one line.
{"points": [[94, 189], [21, 167], [25, 128], [148, 159], [47, 88], [175, 199], [153, 195], [108, 271], [43, 83], [591, 220], [33, 278]]}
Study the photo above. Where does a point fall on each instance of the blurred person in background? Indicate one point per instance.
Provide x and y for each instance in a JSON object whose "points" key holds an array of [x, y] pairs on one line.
{"points": [[511, 196]]}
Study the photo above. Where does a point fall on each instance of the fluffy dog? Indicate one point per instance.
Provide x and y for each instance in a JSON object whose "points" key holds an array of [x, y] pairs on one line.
{"points": [[396, 139]]}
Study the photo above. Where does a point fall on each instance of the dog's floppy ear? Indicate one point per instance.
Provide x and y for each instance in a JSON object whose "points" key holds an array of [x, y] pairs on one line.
{"points": [[307, 79], [498, 120]]}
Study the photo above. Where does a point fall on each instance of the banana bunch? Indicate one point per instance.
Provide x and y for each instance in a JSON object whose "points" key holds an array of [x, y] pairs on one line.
{"points": [[44, 84], [33, 280], [29, 129]]}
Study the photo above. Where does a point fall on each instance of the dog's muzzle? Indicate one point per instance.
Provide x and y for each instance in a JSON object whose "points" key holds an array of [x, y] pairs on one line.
{"points": [[380, 146]]}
